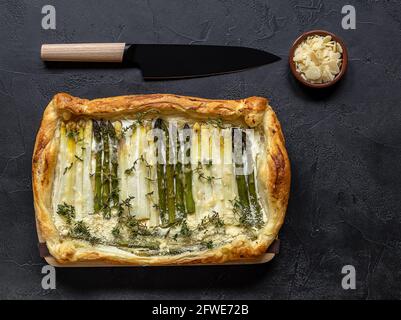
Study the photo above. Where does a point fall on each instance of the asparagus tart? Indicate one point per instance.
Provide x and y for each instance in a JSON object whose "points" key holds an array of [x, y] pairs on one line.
{"points": [[159, 179]]}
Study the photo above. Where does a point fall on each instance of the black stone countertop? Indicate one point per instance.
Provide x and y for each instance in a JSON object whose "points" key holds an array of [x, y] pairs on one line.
{"points": [[344, 144]]}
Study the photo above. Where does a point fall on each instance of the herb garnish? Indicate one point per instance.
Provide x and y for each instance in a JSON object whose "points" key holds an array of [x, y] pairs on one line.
{"points": [[72, 134], [133, 168], [208, 244], [106, 211], [202, 176], [66, 211], [243, 213], [213, 219], [68, 168], [81, 231], [124, 204], [135, 227], [116, 232], [185, 231], [139, 121]]}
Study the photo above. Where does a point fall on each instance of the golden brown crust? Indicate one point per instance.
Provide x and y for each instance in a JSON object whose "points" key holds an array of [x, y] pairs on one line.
{"points": [[273, 175], [249, 110]]}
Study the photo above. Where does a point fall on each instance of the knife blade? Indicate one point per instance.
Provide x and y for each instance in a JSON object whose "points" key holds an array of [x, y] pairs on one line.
{"points": [[163, 61]]}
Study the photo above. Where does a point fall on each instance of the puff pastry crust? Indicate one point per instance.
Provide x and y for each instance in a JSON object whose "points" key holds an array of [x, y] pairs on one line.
{"points": [[273, 172]]}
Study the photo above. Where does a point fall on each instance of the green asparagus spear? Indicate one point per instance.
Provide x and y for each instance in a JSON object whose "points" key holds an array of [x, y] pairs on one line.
{"points": [[257, 211], [97, 133], [242, 189], [189, 199], [160, 172], [240, 178], [170, 178], [179, 181], [114, 131], [106, 170]]}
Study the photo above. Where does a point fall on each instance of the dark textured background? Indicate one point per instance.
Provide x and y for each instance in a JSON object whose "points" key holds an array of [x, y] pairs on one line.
{"points": [[344, 144]]}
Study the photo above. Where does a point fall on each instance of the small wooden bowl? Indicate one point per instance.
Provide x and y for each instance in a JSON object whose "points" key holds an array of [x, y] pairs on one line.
{"points": [[344, 57]]}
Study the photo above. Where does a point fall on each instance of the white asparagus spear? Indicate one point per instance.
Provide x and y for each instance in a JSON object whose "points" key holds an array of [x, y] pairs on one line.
{"points": [[131, 172], [57, 189], [217, 169], [197, 190], [205, 172], [67, 195], [87, 189], [79, 169], [229, 184], [152, 196], [143, 211]]}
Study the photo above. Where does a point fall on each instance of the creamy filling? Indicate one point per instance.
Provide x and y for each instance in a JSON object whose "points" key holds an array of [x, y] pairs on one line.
{"points": [[110, 189]]}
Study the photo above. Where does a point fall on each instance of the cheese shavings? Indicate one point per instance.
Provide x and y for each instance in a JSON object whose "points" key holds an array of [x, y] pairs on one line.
{"points": [[318, 59]]}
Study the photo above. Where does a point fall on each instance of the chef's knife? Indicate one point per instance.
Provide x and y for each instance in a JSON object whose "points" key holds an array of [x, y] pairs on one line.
{"points": [[163, 61]]}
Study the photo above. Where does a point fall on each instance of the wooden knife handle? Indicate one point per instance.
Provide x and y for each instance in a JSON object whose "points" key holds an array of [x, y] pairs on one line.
{"points": [[83, 52]]}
